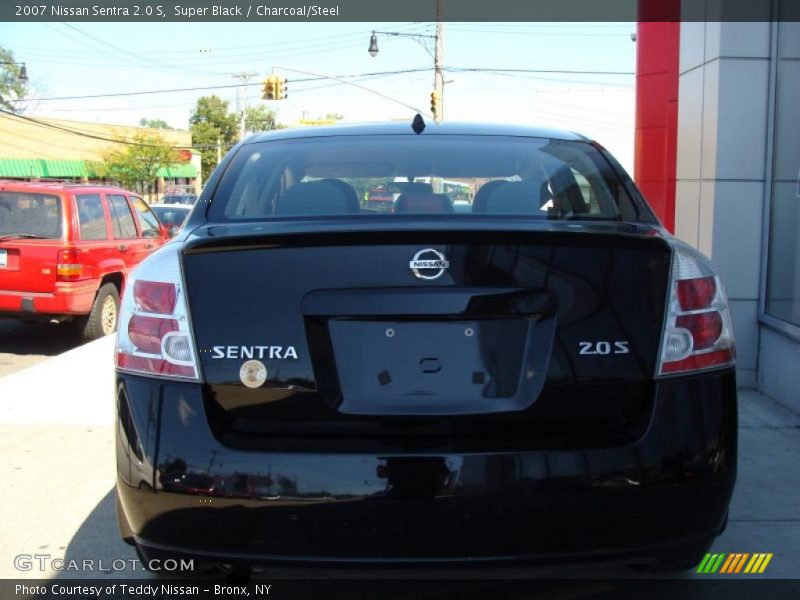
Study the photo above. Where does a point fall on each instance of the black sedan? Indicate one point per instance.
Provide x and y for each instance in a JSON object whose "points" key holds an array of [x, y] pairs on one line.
{"points": [[548, 376], [172, 215]]}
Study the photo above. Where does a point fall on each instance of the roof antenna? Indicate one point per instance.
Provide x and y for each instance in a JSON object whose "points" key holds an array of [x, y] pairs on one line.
{"points": [[418, 124]]}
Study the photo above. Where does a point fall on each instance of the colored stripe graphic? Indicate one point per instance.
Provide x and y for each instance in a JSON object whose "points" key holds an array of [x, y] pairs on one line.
{"points": [[757, 558], [701, 568], [728, 563], [717, 563], [711, 563], [731, 560], [741, 562], [735, 562], [765, 563]]}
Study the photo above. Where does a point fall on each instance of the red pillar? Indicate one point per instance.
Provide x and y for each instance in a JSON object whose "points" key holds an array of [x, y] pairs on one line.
{"points": [[657, 61]]}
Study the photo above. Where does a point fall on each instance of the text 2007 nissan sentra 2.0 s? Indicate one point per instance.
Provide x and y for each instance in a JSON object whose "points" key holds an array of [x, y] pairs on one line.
{"points": [[547, 377]]}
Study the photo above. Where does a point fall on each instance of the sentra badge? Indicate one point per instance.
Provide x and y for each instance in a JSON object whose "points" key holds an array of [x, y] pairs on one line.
{"points": [[429, 264], [259, 352]]}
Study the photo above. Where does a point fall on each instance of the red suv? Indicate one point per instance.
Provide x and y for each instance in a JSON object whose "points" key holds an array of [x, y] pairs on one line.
{"points": [[66, 251]]}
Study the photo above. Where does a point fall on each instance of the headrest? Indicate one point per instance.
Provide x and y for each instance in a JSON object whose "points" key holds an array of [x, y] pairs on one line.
{"points": [[423, 203], [515, 198], [324, 197], [486, 190]]}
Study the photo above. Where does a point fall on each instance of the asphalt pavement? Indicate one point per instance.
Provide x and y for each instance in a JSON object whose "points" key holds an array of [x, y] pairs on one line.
{"points": [[56, 440], [25, 344]]}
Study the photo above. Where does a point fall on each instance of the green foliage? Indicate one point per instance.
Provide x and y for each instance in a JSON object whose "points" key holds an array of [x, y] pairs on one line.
{"points": [[136, 166], [154, 123], [211, 123], [11, 88], [260, 118]]}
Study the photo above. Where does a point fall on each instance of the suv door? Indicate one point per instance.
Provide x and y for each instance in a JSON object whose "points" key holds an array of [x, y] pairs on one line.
{"points": [[94, 233]]}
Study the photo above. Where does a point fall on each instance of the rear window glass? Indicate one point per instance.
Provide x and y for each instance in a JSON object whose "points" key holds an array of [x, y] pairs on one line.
{"points": [[25, 213], [392, 175], [179, 199], [91, 216], [169, 215]]}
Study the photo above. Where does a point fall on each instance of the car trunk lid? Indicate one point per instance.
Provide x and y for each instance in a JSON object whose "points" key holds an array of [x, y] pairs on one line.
{"points": [[526, 326]]}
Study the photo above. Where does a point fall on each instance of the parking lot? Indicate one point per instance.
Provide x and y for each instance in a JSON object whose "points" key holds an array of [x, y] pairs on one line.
{"points": [[56, 437]]}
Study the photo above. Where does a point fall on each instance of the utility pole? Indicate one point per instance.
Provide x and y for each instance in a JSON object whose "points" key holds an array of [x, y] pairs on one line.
{"points": [[437, 96], [438, 57], [241, 99]]}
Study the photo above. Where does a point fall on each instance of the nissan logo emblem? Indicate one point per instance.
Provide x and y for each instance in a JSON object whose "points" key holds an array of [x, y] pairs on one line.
{"points": [[429, 264]]}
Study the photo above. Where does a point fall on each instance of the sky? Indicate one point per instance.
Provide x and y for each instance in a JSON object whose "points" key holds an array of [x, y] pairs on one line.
{"points": [[83, 59]]}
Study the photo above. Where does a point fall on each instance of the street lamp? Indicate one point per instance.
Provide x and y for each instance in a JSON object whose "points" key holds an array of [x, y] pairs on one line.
{"points": [[373, 45], [437, 54], [23, 71], [417, 37]]}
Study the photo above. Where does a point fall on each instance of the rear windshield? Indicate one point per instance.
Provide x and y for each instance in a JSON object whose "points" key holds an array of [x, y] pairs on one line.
{"points": [[169, 215], [185, 199], [27, 214], [392, 175]]}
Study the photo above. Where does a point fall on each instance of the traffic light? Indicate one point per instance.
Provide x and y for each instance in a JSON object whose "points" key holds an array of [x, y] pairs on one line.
{"points": [[280, 89], [436, 103], [269, 92]]}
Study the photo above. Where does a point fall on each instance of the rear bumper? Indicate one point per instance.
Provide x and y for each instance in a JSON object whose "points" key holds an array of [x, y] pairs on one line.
{"points": [[68, 299], [668, 491]]}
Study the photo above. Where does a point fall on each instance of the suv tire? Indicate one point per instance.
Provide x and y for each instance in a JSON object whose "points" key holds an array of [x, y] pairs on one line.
{"points": [[102, 320]]}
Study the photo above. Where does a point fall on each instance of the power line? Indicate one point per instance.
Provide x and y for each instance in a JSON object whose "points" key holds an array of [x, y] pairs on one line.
{"points": [[622, 35], [550, 71], [299, 43], [216, 87], [227, 86]]}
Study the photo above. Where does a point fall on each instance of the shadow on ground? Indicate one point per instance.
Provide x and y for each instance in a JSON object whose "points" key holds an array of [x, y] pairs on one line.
{"points": [[18, 337]]}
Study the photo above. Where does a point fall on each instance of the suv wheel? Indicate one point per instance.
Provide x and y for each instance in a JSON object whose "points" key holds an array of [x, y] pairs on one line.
{"points": [[102, 320]]}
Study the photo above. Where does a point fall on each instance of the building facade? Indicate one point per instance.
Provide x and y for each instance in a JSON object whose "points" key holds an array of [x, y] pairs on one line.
{"points": [[718, 156], [39, 148]]}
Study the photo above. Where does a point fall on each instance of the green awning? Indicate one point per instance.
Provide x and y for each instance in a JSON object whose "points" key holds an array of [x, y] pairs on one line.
{"points": [[32, 168], [64, 168], [20, 168], [174, 171]]}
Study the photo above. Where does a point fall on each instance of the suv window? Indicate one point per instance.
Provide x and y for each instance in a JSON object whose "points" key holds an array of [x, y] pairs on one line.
{"points": [[121, 217], [147, 220], [25, 213], [91, 216], [495, 175]]}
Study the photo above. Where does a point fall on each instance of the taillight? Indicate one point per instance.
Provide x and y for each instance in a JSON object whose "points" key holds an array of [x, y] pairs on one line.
{"points": [[155, 296], [698, 333], [69, 265], [154, 335]]}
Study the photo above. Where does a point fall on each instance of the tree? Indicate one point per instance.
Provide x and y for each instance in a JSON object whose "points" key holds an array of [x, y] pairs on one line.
{"points": [[154, 123], [11, 86], [212, 123], [137, 165], [260, 118]]}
